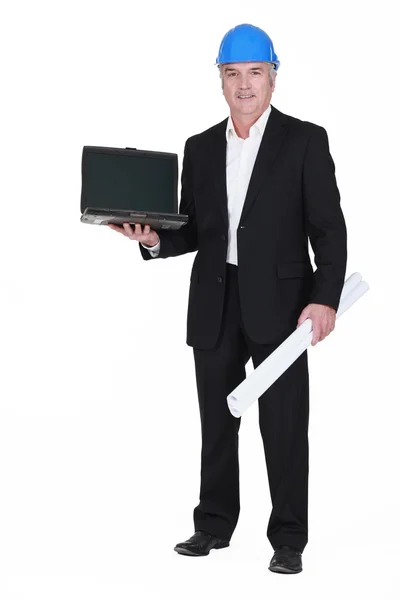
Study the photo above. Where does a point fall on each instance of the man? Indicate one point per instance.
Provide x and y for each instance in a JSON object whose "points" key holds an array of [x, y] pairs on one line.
{"points": [[255, 187]]}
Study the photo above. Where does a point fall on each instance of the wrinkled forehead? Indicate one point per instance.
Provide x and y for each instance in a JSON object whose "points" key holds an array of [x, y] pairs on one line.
{"points": [[244, 66]]}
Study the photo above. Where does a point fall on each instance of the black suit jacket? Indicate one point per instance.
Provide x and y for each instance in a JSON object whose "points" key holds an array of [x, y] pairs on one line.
{"points": [[292, 195]]}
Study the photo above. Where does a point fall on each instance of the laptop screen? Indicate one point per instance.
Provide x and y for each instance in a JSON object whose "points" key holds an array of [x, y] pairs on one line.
{"points": [[136, 180]]}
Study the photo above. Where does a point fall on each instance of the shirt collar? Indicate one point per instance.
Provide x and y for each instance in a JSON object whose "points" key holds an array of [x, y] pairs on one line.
{"points": [[258, 126]]}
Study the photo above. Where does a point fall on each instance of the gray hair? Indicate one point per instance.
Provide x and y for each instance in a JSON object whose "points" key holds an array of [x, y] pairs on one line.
{"points": [[271, 74]]}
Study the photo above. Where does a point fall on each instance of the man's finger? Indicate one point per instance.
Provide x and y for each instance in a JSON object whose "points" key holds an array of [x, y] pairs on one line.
{"points": [[129, 231], [303, 316], [117, 228], [316, 337], [128, 227]]}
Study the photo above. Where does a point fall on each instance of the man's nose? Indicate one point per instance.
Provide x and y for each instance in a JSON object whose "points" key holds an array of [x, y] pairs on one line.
{"points": [[244, 82]]}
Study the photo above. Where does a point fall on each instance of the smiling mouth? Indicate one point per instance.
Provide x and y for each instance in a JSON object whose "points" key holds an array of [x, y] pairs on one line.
{"points": [[245, 97]]}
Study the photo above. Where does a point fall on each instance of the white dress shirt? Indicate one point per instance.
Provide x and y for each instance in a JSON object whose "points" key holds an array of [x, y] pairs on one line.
{"points": [[240, 158]]}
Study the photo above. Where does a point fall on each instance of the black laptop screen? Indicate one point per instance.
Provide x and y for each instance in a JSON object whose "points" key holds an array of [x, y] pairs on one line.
{"points": [[119, 179]]}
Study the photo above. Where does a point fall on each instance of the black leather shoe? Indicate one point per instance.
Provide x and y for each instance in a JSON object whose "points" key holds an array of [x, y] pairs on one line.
{"points": [[200, 544], [286, 560]]}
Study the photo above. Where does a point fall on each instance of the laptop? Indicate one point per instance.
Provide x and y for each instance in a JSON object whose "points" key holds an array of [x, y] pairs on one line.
{"points": [[127, 185]]}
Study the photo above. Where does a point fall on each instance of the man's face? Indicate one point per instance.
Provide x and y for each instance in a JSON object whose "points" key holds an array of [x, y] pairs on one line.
{"points": [[247, 79]]}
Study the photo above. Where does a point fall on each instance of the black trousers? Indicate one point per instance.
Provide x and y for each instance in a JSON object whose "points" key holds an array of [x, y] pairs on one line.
{"points": [[283, 422]]}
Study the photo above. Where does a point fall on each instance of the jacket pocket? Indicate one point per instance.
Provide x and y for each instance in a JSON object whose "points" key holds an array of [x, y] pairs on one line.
{"points": [[294, 269]]}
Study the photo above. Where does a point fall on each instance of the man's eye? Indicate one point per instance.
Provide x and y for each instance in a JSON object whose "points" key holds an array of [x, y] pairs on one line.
{"points": [[253, 72]]}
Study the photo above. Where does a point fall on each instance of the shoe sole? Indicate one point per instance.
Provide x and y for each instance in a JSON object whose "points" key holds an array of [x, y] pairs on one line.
{"points": [[188, 552], [284, 570]]}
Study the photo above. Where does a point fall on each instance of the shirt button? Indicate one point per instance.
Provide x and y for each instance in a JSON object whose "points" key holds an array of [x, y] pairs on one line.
{"points": [[220, 280]]}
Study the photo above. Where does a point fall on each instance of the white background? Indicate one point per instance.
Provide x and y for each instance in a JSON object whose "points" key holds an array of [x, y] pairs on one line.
{"points": [[99, 422]]}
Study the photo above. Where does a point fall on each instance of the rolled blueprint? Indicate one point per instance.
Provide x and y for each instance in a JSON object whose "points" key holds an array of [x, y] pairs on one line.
{"points": [[251, 388]]}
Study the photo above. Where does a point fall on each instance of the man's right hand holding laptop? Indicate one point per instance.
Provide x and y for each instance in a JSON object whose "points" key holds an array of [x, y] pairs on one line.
{"points": [[148, 236]]}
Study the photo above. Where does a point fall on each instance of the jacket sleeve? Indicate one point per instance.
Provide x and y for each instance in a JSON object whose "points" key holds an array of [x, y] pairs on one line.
{"points": [[183, 240], [325, 222], [154, 250]]}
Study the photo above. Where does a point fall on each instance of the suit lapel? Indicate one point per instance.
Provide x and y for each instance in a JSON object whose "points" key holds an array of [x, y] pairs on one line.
{"points": [[271, 142], [218, 162]]}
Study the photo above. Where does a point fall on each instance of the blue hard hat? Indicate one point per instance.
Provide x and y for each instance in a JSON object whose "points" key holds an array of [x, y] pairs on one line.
{"points": [[247, 43]]}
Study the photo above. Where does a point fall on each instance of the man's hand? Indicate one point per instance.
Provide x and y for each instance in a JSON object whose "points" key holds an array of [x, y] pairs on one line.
{"points": [[323, 319], [149, 237]]}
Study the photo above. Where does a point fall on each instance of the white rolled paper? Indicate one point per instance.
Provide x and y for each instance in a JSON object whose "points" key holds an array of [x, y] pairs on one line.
{"points": [[251, 388], [351, 282], [352, 297]]}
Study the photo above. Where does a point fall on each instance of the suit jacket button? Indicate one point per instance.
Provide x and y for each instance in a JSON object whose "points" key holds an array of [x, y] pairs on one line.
{"points": [[220, 280], [223, 237]]}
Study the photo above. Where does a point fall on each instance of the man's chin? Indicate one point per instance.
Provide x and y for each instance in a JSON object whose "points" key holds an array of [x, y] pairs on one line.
{"points": [[247, 111]]}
